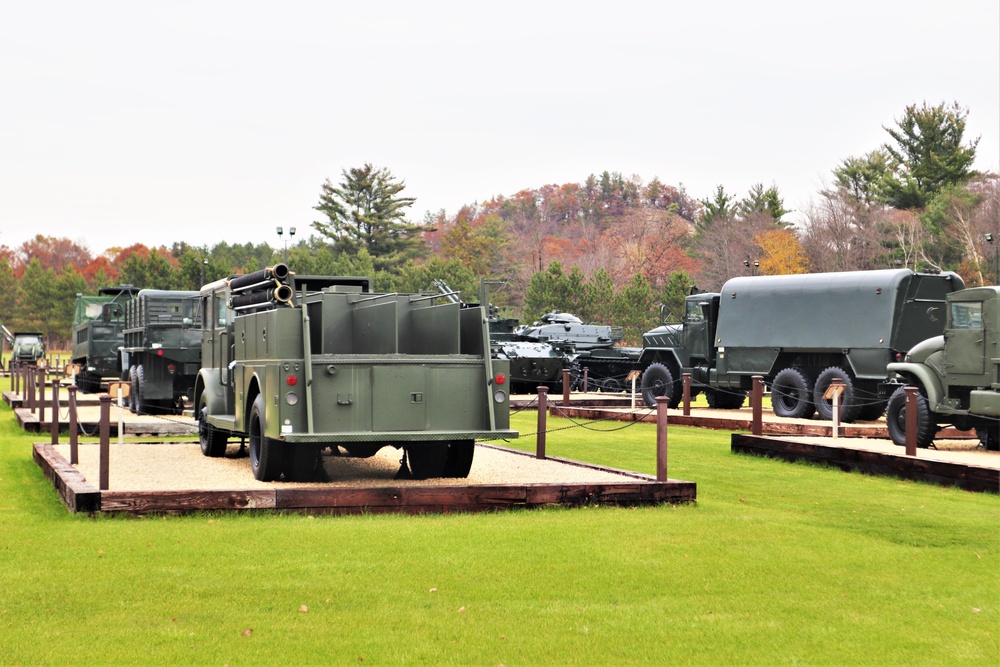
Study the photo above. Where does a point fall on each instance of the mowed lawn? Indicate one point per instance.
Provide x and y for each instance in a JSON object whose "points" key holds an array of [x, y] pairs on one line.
{"points": [[776, 563]]}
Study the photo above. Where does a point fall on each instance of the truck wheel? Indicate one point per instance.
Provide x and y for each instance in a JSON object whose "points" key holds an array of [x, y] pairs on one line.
{"points": [[133, 389], [213, 441], [895, 420], [725, 399], [612, 386], [427, 460], [459, 460], [658, 381], [265, 457], [300, 462], [848, 402], [990, 437], [870, 407], [791, 394]]}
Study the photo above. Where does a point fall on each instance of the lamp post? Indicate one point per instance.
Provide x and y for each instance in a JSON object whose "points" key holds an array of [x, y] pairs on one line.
{"points": [[996, 259], [291, 233], [753, 267], [204, 263]]}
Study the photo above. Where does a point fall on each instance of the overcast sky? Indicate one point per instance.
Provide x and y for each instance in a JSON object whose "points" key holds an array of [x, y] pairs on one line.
{"points": [[155, 122]]}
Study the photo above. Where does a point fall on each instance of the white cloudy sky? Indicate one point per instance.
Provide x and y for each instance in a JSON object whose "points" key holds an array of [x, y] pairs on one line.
{"points": [[154, 122]]}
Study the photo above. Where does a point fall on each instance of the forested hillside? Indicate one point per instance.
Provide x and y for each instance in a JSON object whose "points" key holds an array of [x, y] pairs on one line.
{"points": [[610, 248]]}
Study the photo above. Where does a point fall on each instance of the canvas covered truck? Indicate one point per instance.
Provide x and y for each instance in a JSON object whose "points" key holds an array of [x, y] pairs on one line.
{"points": [[162, 349], [301, 364], [957, 374], [799, 332], [98, 325]]}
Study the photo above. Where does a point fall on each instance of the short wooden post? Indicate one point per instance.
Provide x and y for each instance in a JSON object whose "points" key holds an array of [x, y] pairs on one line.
{"points": [[105, 444], [74, 454], [661, 438], [29, 388], [55, 412], [585, 386], [15, 370], [686, 397], [911, 420], [40, 383], [757, 404], [543, 413], [836, 391], [565, 387]]}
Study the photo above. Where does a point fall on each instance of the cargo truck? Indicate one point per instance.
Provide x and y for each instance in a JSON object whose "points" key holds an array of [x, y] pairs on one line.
{"points": [[800, 333], [298, 365], [957, 374], [98, 335], [162, 349]]}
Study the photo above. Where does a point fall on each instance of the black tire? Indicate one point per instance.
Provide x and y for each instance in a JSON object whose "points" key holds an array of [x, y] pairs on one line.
{"points": [[133, 389], [791, 394], [613, 386], [213, 441], [427, 459], [459, 460], [266, 458], [870, 407], [301, 461], [848, 400], [657, 380], [725, 399], [989, 436], [895, 420], [141, 408]]}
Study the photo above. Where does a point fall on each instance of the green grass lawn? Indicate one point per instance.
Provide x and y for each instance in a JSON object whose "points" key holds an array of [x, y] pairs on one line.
{"points": [[775, 564]]}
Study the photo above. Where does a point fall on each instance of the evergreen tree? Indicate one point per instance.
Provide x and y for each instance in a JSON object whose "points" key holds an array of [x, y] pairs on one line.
{"points": [[367, 211]]}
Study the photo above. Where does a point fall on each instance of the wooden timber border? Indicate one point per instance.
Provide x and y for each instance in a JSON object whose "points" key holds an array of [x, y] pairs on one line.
{"points": [[79, 495], [962, 475]]}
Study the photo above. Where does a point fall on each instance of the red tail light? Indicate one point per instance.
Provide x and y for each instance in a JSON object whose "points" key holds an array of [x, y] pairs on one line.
{"points": [[291, 380], [500, 378]]}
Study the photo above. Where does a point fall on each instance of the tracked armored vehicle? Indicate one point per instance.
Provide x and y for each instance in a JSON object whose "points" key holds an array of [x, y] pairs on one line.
{"points": [[98, 335], [301, 365]]}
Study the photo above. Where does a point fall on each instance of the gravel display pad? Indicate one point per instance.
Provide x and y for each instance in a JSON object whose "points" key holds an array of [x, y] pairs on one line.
{"points": [[181, 466]]}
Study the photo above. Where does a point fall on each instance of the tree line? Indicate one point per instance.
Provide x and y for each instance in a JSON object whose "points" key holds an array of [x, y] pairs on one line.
{"points": [[609, 249]]}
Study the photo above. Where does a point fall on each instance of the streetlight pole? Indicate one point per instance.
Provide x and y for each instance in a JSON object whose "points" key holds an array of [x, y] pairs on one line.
{"points": [[996, 259], [753, 268], [291, 233]]}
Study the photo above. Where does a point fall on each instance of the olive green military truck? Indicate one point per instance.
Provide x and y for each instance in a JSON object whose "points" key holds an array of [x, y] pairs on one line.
{"points": [[162, 349], [98, 325], [301, 364], [26, 347], [799, 332], [957, 374]]}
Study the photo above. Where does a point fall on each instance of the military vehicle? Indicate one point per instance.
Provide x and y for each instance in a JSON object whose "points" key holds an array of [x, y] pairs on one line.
{"points": [[162, 349], [299, 364], [799, 332], [594, 346], [98, 335], [26, 347], [956, 373]]}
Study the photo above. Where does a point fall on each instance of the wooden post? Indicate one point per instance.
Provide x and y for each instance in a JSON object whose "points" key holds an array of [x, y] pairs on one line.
{"points": [[15, 370], [55, 412], [585, 387], [757, 404], [565, 387], [105, 444], [686, 382], [29, 388], [661, 438], [40, 382], [74, 455], [543, 413], [911, 420], [837, 391], [632, 377]]}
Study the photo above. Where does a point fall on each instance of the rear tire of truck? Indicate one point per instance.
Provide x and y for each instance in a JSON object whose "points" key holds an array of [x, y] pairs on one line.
{"points": [[725, 399], [140, 385], [848, 402], [427, 460], [990, 437], [895, 420], [266, 458], [791, 394], [213, 441], [300, 462], [133, 389], [657, 380], [459, 459]]}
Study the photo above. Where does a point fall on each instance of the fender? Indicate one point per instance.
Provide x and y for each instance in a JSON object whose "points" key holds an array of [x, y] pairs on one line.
{"points": [[667, 356], [207, 383], [927, 378]]}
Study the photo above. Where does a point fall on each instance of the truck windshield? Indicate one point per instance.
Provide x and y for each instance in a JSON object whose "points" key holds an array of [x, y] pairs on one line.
{"points": [[966, 315], [694, 313]]}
